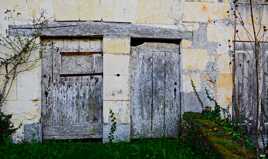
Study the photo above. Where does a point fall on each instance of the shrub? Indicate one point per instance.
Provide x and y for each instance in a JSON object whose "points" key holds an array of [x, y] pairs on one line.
{"points": [[216, 138], [6, 127]]}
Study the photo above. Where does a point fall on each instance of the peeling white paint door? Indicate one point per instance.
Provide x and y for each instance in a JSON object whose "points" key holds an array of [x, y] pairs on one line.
{"points": [[155, 90], [72, 89]]}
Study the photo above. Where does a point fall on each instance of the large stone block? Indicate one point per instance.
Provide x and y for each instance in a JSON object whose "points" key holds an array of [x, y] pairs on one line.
{"points": [[122, 132], [116, 45], [116, 87], [89, 10], [29, 84], [194, 59], [224, 89], [118, 10], [116, 64], [204, 11], [187, 84], [66, 10], [186, 44], [33, 132], [121, 109], [219, 32], [224, 64], [159, 12]]}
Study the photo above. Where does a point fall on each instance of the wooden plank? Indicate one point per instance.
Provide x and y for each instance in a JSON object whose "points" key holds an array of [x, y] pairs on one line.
{"points": [[81, 64], [98, 29], [86, 130], [46, 82], [79, 53], [172, 95], [159, 94], [265, 86], [141, 101]]}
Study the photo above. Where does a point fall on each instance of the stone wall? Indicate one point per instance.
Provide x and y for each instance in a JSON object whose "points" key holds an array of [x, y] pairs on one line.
{"points": [[206, 57]]}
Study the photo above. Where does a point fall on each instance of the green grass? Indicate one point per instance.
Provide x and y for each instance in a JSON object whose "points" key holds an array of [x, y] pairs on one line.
{"points": [[142, 149]]}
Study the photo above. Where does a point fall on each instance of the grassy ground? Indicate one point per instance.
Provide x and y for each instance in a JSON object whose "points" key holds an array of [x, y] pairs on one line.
{"points": [[142, 149]]}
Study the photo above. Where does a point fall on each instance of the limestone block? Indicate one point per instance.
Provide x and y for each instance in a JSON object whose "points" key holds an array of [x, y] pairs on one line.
{"points": [[158, 12], [219, 32], [29, 84], [194, 59], [122, 132], [191, 26], [115, 64], [191, 103], [23, 111], [186, 44], [33, 132], [225, 81], [224, 98], [224, 47], [118, 10], [116, 45], [120, 108], [66, 10], [116, 87], [224, 63], [186, 82], [224, 89], [89, 10], [204, 11]]}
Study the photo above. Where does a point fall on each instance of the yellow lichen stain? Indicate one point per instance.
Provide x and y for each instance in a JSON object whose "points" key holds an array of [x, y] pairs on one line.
{"points": [[204, 8], [228, 100], [225, 81]]}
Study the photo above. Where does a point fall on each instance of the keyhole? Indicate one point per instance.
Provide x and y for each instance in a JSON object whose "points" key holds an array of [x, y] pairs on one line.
{"points": [[175, 92]]}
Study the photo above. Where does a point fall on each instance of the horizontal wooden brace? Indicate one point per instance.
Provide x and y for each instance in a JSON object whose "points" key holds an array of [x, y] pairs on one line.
{"points": [[82, 74]]}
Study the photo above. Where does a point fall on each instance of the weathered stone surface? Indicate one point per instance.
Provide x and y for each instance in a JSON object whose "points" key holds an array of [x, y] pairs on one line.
{"points": [[114, 64], [116, 87], [85, 29], [194, 59], [219, 32], [33, 132], [122, 132], [121, 110], [224, 89], [116, 45], [204, 11], [186, 44], [159, 12]]}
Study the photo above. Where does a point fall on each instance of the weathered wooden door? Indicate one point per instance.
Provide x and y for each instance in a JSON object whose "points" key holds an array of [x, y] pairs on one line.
{"points": [[155, 90], [72, 89]]}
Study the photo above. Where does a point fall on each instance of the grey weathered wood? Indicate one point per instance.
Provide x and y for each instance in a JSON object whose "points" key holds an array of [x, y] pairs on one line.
{"points": [[172, 93], [265, 86], [71, 105], [246, 86], [84, 64], [141, 102], [85, 29], [155, 97], [159, 94]]}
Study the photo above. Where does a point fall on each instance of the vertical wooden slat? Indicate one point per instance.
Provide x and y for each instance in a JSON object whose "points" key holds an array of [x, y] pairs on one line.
{"points": [[172, 93], [159, 94], [141, 100]]}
